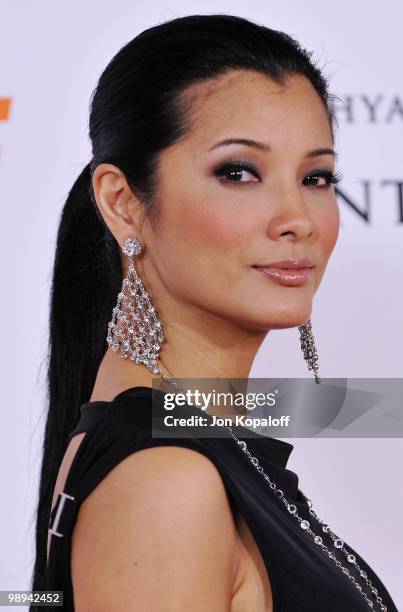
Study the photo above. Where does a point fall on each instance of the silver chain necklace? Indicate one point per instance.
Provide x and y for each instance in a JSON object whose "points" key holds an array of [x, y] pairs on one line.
{"points": [[338, 543]]}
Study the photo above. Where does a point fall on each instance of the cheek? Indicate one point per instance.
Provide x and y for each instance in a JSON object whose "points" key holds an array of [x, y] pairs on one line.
{"points": [[328, 227], [330, 230], [211, 239], [210, 242], [211, 226]]}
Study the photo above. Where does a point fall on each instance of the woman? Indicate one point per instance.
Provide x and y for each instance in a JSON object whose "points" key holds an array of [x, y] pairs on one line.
{"points": [[212, 160]]}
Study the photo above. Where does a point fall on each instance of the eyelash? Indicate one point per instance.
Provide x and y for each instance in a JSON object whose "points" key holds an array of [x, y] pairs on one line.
{"points": [[227, 167]]}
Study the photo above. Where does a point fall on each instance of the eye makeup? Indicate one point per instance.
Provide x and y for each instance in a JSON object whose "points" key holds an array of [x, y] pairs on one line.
{"points": [[235, 168]]}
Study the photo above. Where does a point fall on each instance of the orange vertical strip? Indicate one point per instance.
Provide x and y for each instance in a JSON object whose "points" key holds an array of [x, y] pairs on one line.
{"points": [[5, 106]]}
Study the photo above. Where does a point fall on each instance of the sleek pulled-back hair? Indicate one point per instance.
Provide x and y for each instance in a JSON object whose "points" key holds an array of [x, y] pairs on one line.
{"points": [[139, 107]]}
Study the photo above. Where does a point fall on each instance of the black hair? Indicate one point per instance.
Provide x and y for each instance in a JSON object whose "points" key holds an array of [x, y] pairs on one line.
{"points": [[138, 108]]}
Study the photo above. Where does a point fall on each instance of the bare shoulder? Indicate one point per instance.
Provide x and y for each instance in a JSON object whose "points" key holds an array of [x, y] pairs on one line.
{"points": [[156, 533]]}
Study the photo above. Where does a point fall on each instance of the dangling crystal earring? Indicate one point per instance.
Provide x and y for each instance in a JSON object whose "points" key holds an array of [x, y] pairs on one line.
{"points": [[309, 349], [135, 330]]}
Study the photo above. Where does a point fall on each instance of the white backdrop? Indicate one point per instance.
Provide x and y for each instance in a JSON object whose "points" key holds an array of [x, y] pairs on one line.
{"points": [[51, 56]]}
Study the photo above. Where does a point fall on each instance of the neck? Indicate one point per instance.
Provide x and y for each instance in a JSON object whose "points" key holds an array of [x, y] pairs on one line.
{"points": [[208, 347], [196, 347]]}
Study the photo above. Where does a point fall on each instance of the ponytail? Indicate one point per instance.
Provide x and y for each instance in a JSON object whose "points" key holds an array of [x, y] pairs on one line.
{"points": [[85, 281]]}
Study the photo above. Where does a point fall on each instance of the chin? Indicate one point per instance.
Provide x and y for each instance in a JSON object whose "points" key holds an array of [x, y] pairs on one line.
{"points": [[281, 318], [267, 321]]}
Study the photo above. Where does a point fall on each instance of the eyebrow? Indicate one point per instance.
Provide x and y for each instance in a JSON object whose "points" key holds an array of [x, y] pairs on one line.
{"points": [[265, 147]]}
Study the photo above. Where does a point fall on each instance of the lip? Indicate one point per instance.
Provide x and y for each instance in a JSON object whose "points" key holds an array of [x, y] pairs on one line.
{"points": [[290, 273]]}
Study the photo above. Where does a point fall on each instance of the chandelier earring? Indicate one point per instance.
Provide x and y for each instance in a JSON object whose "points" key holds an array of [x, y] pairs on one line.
{"points": [[135, 330], [309, 349]]}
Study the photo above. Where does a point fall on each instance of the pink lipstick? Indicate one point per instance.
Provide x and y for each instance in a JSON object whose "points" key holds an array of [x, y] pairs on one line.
{"points": [[290, 273]]}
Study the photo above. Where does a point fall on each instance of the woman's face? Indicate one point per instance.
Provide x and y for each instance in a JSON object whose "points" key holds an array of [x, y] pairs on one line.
{"points": [[217, 224]]}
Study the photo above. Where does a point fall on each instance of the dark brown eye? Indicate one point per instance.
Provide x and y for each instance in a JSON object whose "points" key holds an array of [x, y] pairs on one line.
{"points": [[322, 178], [235, 172]]}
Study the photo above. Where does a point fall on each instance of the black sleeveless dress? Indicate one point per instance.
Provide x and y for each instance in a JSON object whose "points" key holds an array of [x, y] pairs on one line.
{"points": [[303, 577]]}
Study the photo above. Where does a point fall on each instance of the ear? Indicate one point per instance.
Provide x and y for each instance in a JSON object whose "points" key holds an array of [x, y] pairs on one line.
{"points": [[119, 207]]}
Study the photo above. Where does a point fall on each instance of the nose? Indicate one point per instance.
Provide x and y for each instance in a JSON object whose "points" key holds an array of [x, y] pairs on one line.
{"points": [[291, 219]]}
